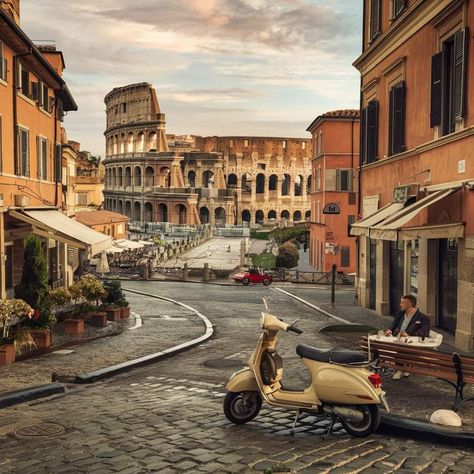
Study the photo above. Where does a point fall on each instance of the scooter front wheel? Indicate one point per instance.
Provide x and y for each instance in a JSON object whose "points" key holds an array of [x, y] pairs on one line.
{"points": [[241, 407], [367, 426]]}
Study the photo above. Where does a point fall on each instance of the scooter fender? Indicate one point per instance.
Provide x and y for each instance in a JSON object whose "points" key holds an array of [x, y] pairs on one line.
{"points": [[243, 381]]}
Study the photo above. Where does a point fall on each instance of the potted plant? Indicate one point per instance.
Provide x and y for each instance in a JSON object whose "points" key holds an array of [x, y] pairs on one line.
{"points": [[12, 337], [115, 297]]}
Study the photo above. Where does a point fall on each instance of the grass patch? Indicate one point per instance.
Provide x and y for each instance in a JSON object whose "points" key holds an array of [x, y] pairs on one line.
{"points": [[264, 260]]}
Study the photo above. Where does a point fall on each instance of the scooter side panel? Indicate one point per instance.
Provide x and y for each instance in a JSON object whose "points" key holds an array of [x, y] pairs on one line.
{"points": [[243, 381]]}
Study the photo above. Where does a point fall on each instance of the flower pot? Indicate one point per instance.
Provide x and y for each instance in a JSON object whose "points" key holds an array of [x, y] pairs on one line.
{"points": [[7, 353], [43, 338], [125, 312], [113, 314], [98, 320], [73, 326]]}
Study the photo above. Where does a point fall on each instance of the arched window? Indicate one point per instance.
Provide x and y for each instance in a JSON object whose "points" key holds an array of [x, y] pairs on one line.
{"points": [[128, 209], [308, 184], [297, 216], [220, 216], [162, 213], [285, 215], [259, 216], [149, 176], [272, 215], [180, 211], [260, 183], [273, 182], [298, 185], [232, 180], [204, 215], [246, 216], [120, 207], [285, 185], [148, 212], [130, 143], [120, 176], [122, 143], [128, 176], [246, 183], [137, 211], [115, 145], [137, 174], [207, 179], [192, 179], [152, 141], [307, 215], [141, 142]]}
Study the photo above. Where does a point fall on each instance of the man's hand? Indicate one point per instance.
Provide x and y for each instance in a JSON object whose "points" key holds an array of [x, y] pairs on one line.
{"points": [[404, 334], [388, 333]]}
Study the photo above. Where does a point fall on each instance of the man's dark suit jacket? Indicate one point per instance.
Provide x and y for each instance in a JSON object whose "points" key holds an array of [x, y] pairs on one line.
{"points": [[418, 326]]}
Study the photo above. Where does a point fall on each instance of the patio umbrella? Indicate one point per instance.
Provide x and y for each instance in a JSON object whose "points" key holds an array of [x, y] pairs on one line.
{"points": [[103, 265]]}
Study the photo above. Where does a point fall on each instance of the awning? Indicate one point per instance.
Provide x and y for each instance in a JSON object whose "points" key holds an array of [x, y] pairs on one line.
{"points": [[362, 227], [53, 224], [392, 228]]}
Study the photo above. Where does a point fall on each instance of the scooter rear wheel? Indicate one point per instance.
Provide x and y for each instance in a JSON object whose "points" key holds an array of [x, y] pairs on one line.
{"points": [[367, 426], [241, 407]]}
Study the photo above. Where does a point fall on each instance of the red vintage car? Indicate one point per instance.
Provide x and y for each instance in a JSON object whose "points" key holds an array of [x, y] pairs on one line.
{"points": [[253, 275]]}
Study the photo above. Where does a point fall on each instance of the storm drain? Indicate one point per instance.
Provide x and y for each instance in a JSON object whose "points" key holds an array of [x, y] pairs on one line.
{"points": [[41, 429]]}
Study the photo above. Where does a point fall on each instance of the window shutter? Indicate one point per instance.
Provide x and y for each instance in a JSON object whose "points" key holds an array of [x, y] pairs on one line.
{"points": [[372, 130], [44, 157], [390, 121], [436, 89], [374, 18], [1, 136], [57, 163], [363, 137], [338, 180], [460, 46], [35, 90], [38, 158], [397, 119], [398, 7]]}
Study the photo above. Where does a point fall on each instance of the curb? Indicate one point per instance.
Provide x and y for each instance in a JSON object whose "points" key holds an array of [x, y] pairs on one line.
{"points": [[425, 431], [31, 393], [90, 377]]}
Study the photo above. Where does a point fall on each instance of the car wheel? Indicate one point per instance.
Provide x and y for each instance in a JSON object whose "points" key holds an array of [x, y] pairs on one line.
{"points": [[245, 281], [267, 281]]}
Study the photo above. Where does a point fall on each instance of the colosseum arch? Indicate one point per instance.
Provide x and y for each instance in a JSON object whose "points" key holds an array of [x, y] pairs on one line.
{"points": [[307, 215], [285, 214], [204, 215], [137, 176], [128, 176], [259, 216], [232, 180], [299, 185], [120, 176], [115, 145], [141, 142], [285, 185], [220, 216], [273, 182], [130, 143], [207, 179], [272, 214], [122, 143], [180, 211], [192, 179], [149, 176], [114, 177], [308, 184], [137, 211], [152, 141], [128, 209], [120, 207], [246, 187], [162, 213], [148, 212], [260, 188], [296, 216], [246, 216]]}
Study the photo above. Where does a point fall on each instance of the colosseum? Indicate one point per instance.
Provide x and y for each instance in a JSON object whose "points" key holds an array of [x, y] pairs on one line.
{"points": [[221, 181]]}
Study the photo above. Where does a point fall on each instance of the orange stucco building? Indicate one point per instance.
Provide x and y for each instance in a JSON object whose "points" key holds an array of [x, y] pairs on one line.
{"points": [[33, 100], [416, 233], [333, 197]]}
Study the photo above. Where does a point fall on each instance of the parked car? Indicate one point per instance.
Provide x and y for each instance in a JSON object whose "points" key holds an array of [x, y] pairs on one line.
{"points": [[253, 275]]}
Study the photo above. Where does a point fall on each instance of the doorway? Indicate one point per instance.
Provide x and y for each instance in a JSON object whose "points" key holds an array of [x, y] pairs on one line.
{"points": [[372, 272], [447, 284], [397, 271]]}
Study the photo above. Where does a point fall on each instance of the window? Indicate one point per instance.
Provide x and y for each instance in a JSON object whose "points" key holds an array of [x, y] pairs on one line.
{"points": [[57, 162], [396, 121], [124, 107], [352, 198], [24, 152], [81, 199], [374, 28], [344, 180], [345, 257], [397, 7], [320, 142], [24, 80], [246, 143], [44, 97], [3, 64], [284, 144], [1, 156], [231, 144], [448, 70], [350, 221], [303, 145], [42, 158], [369, 132], [318, 178]]}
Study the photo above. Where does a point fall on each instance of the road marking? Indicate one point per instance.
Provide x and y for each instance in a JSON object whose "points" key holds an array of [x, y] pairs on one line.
{"points": [[138, 320], [317, 308], [167, 318]]}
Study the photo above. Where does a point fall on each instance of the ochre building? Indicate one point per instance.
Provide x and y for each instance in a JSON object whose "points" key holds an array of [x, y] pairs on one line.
{"points": [[416, 234], [221, 180]]}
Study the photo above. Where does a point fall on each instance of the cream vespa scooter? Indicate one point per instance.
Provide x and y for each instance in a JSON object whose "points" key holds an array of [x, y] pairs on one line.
{"points": [[341, 386]]}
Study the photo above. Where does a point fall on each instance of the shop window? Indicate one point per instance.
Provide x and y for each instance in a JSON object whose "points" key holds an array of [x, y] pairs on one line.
{"points": [[448, 70]]}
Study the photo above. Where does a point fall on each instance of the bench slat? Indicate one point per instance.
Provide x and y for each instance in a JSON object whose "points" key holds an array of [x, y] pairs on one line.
{"points": [[433, 373]]}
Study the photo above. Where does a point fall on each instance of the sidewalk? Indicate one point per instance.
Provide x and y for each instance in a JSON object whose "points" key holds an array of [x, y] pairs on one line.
{"points": [[161, 319]]}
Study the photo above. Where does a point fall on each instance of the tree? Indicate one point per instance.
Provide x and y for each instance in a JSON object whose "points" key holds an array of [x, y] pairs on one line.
{"points": [[33, 287]]}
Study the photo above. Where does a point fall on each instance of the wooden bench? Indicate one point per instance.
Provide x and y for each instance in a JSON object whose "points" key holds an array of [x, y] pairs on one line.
{"points": [[455, 369]]}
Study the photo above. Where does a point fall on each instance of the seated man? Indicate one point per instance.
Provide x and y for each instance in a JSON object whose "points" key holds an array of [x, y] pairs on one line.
{"points": [[410, 321]]}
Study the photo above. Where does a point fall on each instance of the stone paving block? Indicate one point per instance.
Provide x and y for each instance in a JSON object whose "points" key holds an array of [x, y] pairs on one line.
{"points": [[185, 465]]}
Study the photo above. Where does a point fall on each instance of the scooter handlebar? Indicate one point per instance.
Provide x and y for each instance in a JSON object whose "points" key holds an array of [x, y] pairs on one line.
{"points": [[295, 329]]}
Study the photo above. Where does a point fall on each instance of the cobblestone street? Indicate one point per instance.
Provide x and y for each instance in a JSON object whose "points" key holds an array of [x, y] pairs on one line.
{"points": [[168, 417]]}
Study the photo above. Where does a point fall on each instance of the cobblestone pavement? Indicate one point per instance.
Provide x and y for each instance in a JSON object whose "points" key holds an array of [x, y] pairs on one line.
{"points": [[168, 417], [164, 325]]}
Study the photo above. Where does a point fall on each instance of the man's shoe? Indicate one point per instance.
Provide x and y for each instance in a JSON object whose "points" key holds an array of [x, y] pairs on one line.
{"points": [[397, 375]]}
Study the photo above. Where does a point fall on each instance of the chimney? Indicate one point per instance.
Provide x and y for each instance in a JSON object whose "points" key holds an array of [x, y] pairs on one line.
{"points": [[12, 7]]}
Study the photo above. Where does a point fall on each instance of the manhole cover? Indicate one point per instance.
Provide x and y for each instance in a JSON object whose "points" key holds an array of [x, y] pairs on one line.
{"points": [[41, 429], [224, 363]]}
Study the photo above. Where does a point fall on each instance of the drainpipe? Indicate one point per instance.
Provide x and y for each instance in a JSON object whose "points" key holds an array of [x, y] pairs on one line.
{"points": [[15, 112], [58, 170]]}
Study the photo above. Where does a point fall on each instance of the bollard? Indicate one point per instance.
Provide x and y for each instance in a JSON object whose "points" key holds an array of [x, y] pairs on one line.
{"points": [[205, 273], [185, 272], [333, 285]]}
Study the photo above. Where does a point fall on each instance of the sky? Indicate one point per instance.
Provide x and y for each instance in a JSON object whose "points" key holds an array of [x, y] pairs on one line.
{"points": [[220, 67]]}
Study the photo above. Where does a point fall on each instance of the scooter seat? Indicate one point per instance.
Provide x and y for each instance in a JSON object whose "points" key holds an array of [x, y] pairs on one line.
{"points": [[339, 356]]}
